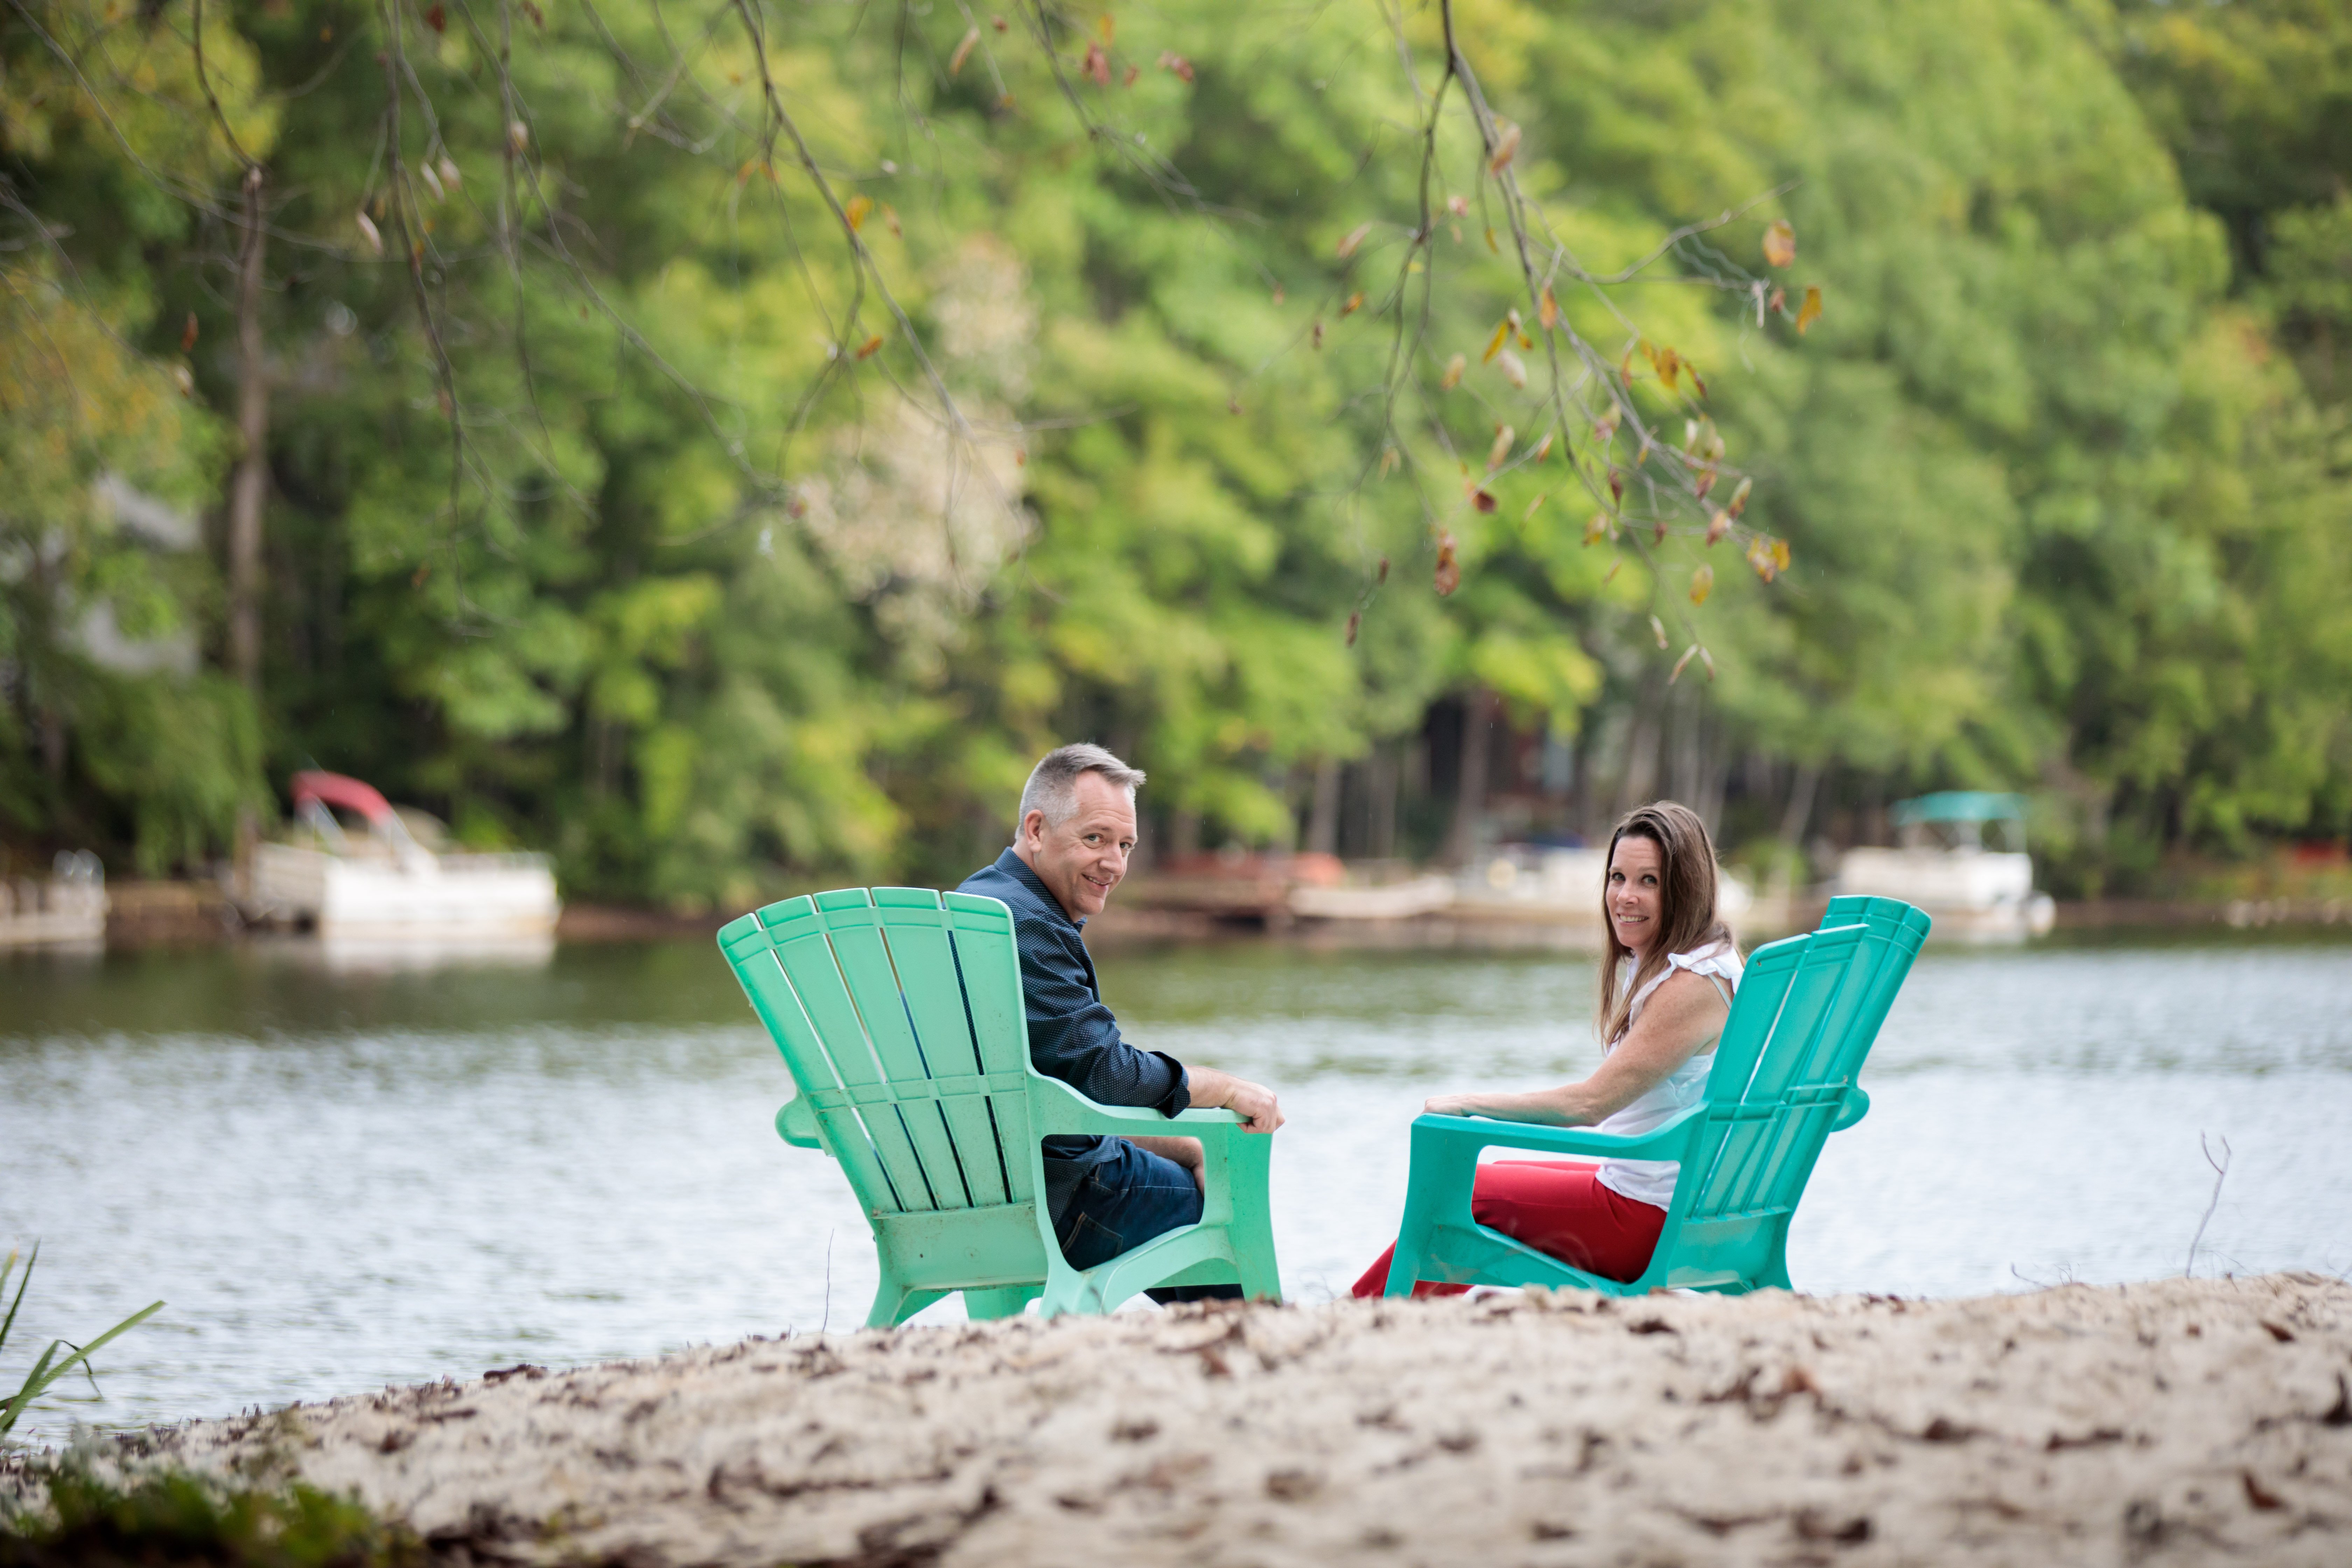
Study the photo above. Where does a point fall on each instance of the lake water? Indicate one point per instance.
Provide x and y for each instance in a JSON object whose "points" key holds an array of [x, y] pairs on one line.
{"points": [[339, 1181]]}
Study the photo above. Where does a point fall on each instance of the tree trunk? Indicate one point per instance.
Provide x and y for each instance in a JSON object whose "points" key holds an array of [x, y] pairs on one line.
{"points": [[252, 481], [1801, 803], [1470, 791], [1323, 815], [1384, 791]]}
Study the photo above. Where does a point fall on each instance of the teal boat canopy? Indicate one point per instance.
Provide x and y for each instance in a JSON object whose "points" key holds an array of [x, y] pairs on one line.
{"points": [[1959, 806]]}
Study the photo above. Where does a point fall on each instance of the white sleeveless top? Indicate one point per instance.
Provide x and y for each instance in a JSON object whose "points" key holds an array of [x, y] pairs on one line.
{"points": [[1652, 1181]]}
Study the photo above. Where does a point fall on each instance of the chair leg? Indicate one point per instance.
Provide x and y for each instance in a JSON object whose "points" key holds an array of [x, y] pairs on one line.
{"points": [[1003, 1301], [894, 1303]]}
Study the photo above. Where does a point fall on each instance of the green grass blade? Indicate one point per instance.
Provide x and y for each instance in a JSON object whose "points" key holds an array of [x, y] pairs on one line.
{"points": [[10, 1321]]}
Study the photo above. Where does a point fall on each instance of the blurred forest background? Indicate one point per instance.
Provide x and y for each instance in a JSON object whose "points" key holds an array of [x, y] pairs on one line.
{"points": [[699, 597]]}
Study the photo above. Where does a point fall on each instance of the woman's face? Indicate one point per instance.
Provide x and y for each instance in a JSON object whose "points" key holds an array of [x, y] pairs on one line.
{"points": [[1636, 898]]}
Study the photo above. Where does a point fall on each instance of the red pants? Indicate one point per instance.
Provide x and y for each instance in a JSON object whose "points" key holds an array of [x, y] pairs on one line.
{"points": [[1555, 1206]]}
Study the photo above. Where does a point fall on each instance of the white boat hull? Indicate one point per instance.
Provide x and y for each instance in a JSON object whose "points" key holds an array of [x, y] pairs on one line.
{"points": [[1971, 895], [416, 897]]}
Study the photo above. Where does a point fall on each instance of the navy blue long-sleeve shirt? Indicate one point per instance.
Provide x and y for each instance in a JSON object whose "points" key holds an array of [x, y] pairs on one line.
{"points": [[1072, 1036]]}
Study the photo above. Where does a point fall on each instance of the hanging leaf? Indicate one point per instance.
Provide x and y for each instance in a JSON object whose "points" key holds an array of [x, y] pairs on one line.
{"points": [[449, 175], [1177, 64], [1708, 659], [369, 232], [1482, 499], [1097, 65], [1497, 454], [1355, 303], [1779, 303], [859, 205], [1317, 331], [188, 334], [1534, 506], [867, 349], [1448, 576], [1543, 448], [1739, 498], [1658, 532], [1597, 528], [1811, 310], [1127, 77], [1614, 567], [1760, 559], [1458, 206], [1705, 482], [436, 17], [1780, 244], [1702, 583], [1514, 368], [1604, 430], [1507, 146], [1548, 310], [1780, 554], [1681, 663], [1495, 345], [1382, 575], [1658, 630], [518, 136], [1355, 619], [1354, 237], [890, 216], [1626, 370], [1388, 461], [1616, 486], [432, 181], [1453, 376], [1109, 27], [963, 51], [1490, 240], [1718, 525]]}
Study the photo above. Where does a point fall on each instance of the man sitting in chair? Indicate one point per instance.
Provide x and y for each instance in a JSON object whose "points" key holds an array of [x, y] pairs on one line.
{"points": [[1107, 1195]]}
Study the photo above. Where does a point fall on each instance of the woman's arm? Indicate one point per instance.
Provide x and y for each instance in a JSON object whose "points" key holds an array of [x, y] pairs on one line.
{"points": [[1683, 1015]]}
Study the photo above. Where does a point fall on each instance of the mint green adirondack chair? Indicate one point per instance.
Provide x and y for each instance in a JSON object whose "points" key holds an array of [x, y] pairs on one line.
{"points": [[899, 1012], [1805, 1016]]}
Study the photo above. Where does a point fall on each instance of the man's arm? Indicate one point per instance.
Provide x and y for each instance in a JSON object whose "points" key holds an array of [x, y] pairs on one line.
{"points": [[1253, 1102]]}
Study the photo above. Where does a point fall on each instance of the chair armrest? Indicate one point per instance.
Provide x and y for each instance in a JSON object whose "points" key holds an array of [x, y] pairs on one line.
{"points": [[1852, 1107], [1668, 1141], [1060, 1110], [797, 1124]]}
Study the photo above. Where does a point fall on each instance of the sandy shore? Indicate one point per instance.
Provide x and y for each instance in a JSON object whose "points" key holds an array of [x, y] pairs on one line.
{"points": [[2164, 1423]]}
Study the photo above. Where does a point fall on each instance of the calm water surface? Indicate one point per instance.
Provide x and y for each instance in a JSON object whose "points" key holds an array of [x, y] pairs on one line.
{"points": [[343, 1180]]}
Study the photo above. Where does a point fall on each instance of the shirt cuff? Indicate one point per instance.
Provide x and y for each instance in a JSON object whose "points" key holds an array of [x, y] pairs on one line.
{"points": [[1180, 1097]]}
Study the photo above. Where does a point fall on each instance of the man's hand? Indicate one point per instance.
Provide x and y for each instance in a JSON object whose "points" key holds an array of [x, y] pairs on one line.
{"points": [[1253, 1102], [1185, 1151]]}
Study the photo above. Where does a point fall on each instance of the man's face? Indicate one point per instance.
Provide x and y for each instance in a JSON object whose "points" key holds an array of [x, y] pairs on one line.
{"points": [[1082, 858]]}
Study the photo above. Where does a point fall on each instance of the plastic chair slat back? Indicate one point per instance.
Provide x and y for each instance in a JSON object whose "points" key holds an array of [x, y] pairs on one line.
{"points": [[988, 964], [914, 926]]}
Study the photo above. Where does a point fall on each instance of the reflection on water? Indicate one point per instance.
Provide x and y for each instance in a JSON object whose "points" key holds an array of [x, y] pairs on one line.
{"points": [[339, 1179]]}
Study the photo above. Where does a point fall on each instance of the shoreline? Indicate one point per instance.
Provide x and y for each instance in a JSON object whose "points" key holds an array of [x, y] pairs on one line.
{"points": [[2175, 1421]]}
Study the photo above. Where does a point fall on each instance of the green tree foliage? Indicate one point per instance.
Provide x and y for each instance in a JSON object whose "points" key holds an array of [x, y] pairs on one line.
{"points": [[620, 507]]}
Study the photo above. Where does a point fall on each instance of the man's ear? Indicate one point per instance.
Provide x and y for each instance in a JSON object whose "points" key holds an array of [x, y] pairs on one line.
{"points": [[1034, 822]]}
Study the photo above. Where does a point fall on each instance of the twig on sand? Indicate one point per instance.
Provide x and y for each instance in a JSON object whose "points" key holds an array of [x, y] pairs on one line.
{"points": [[2221, 1174], [827, 1321]]}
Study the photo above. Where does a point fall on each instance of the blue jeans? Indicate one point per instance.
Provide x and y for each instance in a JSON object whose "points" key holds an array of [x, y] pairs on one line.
{"points": [[1123, 1202]]}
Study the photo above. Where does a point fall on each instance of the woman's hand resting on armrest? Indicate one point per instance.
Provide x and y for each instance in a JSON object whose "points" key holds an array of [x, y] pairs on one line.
{"points": [[1683, 1015]]}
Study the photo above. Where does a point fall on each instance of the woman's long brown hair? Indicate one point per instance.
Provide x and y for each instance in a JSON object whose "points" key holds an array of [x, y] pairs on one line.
{"points": [[1685, 904]]}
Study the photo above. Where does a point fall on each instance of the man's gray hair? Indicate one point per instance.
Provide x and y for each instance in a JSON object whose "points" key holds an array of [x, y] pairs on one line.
{"points": [[1053, 786]]}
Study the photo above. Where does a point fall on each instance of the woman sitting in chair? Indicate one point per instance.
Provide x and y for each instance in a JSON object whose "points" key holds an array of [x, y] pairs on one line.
{"points": [[1667, 974]]}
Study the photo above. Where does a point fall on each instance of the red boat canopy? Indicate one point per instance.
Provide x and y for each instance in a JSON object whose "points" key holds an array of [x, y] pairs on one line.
{"points": [[334, 789]]}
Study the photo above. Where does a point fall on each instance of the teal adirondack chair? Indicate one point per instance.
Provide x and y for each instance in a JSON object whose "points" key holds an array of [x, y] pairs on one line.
{"points": [[899, 1012], [1805, 1016]]}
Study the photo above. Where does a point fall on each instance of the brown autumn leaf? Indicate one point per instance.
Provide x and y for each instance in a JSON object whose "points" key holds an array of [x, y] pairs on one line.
{"points": [[890, 216], [1482, 499], [1616, 486], [1780, 244], [1658, 532], [1389, 460], [867, 349], [1625, 369], [1382, 575], [1458, 206], [1232, 406], [188, 334], [1811, 310], [999, 24], [1497, 454], [1355, 303], [859, 205], [1718, 525], [1705, 482], [1279, 294], [963, 51], [1739, 496], [1760, 560], [1596, 528], [1317, 332], [1702, 583], [1779, 303], [1453, 376], [1448, 576], [1614, 567], [1177, 64], [1781, 555], [1543, 448], [184, 379], [1535, 506], [1495, 345], [1506, 147], [1548, 310], [1514, 368], [1127, 78], [436, 17], [1689, 654], [530, 9], [1354, 237], [1604, 430], [1355, 619], [1097, 65]]}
